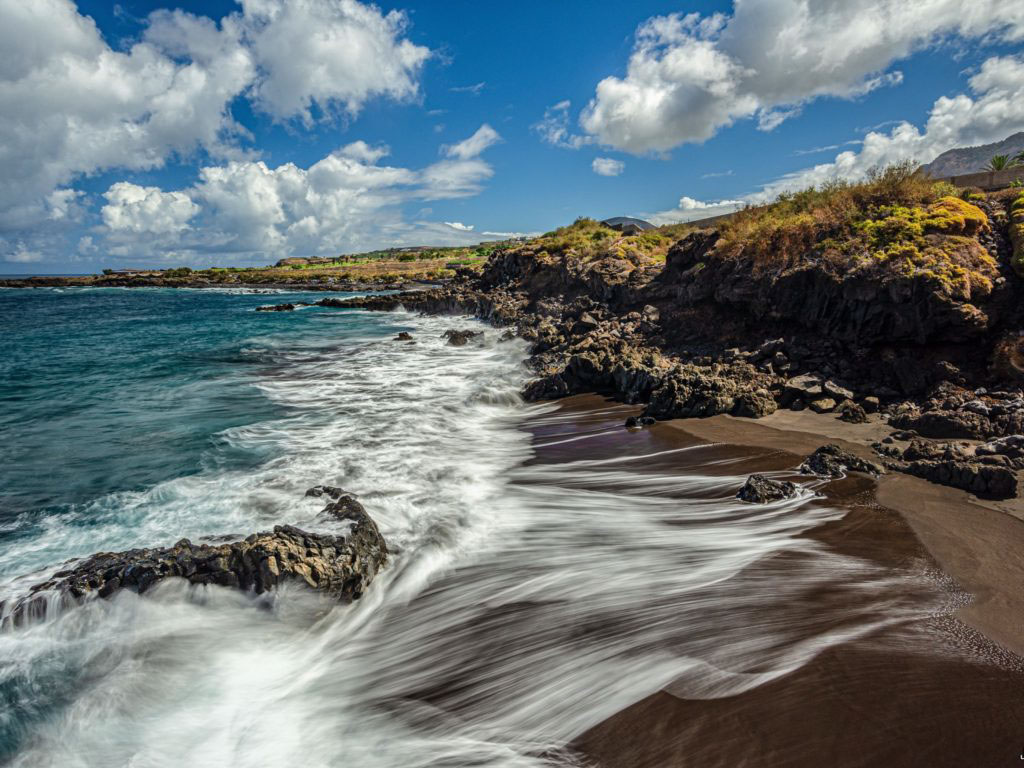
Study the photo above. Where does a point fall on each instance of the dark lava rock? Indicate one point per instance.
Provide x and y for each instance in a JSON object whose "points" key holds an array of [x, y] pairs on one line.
{"points": [[754, 405], [832, 461], [640, 421], [760, 490], [339, 566], [822, 405], [330, 491], [983, 480], [852, 413], [403, 336], [459, 338], [277, 308]]}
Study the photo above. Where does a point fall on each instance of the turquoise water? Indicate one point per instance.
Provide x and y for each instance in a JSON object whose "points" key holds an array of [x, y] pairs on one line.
{"points": [[106, 390]]}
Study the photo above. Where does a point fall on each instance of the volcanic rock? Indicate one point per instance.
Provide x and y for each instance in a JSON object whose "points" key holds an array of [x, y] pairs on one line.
{"points": [[761, 490], [459, 338], [341, 567], [832, 461]]}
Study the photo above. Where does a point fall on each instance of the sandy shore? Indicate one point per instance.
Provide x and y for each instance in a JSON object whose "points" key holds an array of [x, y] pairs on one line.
{"points": [[947, 690]]}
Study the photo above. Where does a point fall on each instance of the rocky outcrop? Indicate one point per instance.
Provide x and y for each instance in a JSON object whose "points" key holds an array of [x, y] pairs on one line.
{"points": [[761, 490], [459, 338], [988, 470], [832, 461], [954, 412], [340, 566], [276, 308], [697, 391]]}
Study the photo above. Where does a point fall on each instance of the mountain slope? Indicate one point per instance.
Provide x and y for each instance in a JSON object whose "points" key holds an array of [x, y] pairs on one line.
{"points": [[955, 162]]}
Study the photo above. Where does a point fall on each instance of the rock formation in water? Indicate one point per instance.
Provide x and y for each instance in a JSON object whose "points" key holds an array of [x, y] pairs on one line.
{"points": [[761, 490], [340, 566]]}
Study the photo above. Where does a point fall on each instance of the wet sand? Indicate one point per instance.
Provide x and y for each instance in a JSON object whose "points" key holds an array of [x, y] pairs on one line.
{"points": [[943, 689]]}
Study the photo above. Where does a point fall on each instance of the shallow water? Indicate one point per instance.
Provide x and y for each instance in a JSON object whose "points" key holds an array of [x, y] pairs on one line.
{"points": [[549, 569]]}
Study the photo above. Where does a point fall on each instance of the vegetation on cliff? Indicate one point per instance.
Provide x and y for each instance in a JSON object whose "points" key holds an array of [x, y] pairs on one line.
{"points": [[897, 224]]}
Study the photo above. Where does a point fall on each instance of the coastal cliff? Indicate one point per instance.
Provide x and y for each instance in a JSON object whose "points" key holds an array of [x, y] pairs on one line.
{"points": [[895, 297]]}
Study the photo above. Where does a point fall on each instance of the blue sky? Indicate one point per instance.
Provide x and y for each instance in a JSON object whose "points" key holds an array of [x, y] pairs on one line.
{"points": [[147, 134]]}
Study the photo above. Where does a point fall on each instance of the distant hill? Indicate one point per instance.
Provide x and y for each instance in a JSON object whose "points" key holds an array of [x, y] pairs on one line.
{"points": [[955, 162]]}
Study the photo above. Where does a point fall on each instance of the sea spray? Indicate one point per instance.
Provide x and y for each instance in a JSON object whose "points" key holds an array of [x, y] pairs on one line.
{"points": [[526, 600]]}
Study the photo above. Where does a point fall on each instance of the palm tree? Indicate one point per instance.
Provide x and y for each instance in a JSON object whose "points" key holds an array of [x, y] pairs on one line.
{"points": [[1000, 163]]}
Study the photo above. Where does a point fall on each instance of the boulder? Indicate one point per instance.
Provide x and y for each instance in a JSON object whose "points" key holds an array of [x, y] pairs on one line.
{"points": [[754, 405], [822, 405], [832, 461], [761, 490], [460, 338], [871, 404], [807, 387], [341, 567], [852, 413], [403, 336], [837, 392]]}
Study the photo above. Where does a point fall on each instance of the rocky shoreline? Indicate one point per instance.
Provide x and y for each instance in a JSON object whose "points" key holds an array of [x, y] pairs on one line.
{"points": [[705, 334]]}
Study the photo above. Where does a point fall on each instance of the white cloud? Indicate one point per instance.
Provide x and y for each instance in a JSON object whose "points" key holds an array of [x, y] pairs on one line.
{"points": [[70, 105], [363, 152], [138, 209], [23, 255], [689, 76], [331, 53], [554, 128], [474, 89], [992, 111], [607, 166], [467, 149], [345, 201], [690, 209]]}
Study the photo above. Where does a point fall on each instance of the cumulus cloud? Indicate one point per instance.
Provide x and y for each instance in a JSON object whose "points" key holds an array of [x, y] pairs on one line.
{"points": [[70, 105], [689, 76], [345, 201], [331, 53], [138, 209], [690, 209], [607, 166], [992, 110]]}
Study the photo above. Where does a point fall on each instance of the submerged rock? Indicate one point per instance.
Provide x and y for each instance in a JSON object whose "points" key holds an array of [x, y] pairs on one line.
{"points": [[403, 336], [761, 490], [340, 566], [634, 422], [832, 461], [276, 308], [330, 491], [459, 338]]}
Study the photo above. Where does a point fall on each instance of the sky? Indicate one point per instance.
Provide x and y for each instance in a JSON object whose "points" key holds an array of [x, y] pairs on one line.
{"points": [[145, 134]]}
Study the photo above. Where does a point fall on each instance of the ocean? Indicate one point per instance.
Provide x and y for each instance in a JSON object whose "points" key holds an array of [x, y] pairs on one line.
{"points": [[546, 571]]}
